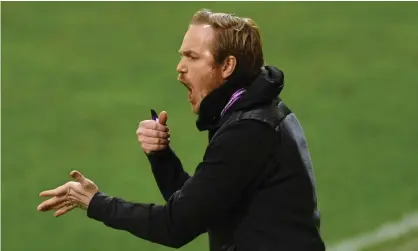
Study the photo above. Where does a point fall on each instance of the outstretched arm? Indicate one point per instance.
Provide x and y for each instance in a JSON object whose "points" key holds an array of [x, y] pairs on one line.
{"points": [[230, 164]]}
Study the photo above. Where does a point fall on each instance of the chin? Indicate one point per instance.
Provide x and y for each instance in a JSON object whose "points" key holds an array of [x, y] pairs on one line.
{"points": [[195, 108]]}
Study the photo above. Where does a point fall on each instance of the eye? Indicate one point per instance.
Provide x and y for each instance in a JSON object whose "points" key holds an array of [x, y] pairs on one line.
{"points": [[193, 57]]}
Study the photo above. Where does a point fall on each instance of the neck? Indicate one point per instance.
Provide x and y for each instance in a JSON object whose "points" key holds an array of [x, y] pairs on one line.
{"points": [[216, 103]]}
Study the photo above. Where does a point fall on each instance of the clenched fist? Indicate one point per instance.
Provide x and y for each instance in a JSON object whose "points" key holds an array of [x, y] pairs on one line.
{"points": [[154, 135]]}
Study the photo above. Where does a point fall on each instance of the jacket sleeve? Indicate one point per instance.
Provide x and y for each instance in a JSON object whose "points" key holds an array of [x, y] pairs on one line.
{"points": [[168, 172], [230, 163]]}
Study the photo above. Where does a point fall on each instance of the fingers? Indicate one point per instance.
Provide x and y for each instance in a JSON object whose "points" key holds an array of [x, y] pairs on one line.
{"points": [[61, 205], [72, 194], [64, 210], [54, 202], [153, 141], [163, 117], [59, 195], [152, 133], [153, 125], [59, 191]]}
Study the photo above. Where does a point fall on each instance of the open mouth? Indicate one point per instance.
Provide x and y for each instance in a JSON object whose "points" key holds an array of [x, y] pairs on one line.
{"points": [[189, 90], [185, 85]]}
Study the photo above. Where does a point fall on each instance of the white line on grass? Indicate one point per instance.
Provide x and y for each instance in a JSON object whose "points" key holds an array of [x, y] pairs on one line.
{"points": [[386, 232]]}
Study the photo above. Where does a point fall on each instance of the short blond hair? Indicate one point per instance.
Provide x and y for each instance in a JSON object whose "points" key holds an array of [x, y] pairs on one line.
{"points": [[236, 36]]}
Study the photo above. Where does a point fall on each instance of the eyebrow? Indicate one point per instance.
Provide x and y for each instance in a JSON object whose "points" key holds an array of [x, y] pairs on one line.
{"points": [[188, 53]]}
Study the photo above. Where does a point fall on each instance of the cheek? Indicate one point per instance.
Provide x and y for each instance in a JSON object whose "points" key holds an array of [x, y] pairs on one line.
{"points": [[203, 79], [200, 77]]}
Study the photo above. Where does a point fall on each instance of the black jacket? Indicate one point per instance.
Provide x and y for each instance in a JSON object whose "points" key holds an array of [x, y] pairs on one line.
{"points": [[253, 190]]}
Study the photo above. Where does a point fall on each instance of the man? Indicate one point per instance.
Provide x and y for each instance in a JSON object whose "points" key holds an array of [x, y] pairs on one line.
{"points": [[254, 189]]}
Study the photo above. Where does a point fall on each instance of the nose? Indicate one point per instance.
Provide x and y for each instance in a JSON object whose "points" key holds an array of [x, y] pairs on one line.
{"points": [[181, 67]]}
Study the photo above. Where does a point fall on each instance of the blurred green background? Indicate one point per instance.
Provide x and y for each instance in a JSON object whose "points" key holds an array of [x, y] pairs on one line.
{"points": [[78, 77]]}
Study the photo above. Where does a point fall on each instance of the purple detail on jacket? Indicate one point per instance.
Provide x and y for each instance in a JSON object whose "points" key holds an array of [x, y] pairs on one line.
{"points": [[232, 100]]}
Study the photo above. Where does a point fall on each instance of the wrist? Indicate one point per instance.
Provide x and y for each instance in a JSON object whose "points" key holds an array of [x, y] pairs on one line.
{"points": [[97, 207]]}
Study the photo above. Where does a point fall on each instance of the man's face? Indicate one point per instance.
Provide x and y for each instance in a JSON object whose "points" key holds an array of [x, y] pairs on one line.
{"points": [[197, 69]]}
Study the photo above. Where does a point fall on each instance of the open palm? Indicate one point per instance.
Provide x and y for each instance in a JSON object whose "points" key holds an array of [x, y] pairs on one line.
{"points": [[77, 193]]}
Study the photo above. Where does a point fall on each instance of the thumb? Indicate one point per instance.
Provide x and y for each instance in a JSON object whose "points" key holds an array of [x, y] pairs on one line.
{"points": [[77, 176], [163, 118]]}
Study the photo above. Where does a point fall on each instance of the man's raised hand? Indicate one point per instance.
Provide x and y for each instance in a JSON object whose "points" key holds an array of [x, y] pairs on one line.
{"points": [[154, 135]]}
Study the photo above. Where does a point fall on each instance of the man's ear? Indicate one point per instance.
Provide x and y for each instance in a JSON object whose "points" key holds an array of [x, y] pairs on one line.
{"points": [[228, 67]]}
